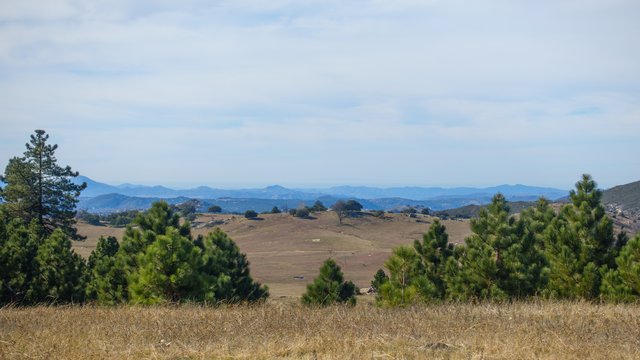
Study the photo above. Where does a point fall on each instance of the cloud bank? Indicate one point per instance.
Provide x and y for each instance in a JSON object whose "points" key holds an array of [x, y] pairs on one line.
{"points": [[327, 92]]}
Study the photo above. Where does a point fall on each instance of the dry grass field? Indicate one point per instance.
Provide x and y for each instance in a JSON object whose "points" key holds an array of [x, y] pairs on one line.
{"points": [[286, 330], [280, 246]]}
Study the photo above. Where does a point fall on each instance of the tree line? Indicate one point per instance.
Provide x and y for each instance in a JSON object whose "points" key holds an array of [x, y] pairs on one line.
{"points": [[572, 253], [157, 260], [569, 253]]}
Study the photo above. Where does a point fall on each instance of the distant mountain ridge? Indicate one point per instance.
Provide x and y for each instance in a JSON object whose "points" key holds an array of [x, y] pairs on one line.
{"points": [[523, 192], [101, 197]]}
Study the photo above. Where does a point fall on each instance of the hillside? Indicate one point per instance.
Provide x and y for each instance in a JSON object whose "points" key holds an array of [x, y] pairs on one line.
{"points": [[280, 246], [627, 196]]}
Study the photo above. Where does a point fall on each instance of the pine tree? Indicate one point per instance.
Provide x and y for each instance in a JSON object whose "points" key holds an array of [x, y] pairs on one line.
{"points": [[403, 287], [18, 249], [579, 244], [61, 274], [329, 287], [107, 282], [434, 251], [378, 279], [37, 188], [226, 271], [167, 271], [623, 283]]}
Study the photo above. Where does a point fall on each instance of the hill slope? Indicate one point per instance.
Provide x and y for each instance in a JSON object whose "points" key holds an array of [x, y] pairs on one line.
{"points": [[627, 196]]}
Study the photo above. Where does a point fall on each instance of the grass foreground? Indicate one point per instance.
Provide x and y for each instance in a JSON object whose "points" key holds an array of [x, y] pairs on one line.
{"points": [[561, 330]]}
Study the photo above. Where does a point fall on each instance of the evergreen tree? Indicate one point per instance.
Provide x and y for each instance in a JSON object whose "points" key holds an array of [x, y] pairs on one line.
{"points": [[226, 271], [318, 206], [405, 284], [37, 188], [60, 272], [329, 287], [579, 244], [167, 271], [434, 251], [18, 249], [623, 283], [378, 279], [107, 282], [502, 258]]}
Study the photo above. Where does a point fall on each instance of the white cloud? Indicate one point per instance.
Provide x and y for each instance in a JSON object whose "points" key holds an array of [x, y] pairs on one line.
{"points": [[344, 78]]}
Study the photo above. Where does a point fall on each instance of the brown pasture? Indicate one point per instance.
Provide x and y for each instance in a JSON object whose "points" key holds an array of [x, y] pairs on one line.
{"points": [[281, 247]]}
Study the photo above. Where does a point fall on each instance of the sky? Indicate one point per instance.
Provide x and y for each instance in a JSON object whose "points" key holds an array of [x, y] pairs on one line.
{"points": [[319, 93]]}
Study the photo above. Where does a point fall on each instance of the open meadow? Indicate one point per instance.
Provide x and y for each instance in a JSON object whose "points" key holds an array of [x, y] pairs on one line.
{"points": [[287, 330], [283, 248]]}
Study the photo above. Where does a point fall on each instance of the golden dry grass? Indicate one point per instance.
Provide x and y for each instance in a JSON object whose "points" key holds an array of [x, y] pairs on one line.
{"points": [[286, 330], [280, 246]]}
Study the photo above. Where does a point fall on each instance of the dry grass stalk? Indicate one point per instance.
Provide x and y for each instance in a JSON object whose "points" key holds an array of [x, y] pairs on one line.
{"points": [[286, 330]]}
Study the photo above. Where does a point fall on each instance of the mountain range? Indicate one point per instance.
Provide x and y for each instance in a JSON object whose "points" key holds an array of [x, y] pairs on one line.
{"points": [[101, 197]]}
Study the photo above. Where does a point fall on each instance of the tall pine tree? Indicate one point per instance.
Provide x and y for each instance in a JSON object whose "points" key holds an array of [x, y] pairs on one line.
{"points": [[579, 244], [39, 190]]}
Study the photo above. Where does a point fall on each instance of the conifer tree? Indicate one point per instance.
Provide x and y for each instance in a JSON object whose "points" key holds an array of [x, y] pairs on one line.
{"points": [[329, 287], [378, 279], [38, 189], [579, 244], [434, 251], [405, 285], [107, 282], [18, 249], [623, 283], [167, 271], [61, 274], [483, 266], [226, 271]]}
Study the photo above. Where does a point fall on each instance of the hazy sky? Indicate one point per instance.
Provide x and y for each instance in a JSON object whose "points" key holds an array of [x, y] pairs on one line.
{"points": [[307, 93]]}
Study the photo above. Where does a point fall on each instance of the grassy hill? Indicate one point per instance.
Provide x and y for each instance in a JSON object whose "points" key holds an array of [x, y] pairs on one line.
{"points": [[280, 246], [628, 195]]}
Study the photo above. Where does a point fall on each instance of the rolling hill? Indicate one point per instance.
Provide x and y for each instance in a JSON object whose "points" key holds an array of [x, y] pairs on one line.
{"points": [[627, 195]]}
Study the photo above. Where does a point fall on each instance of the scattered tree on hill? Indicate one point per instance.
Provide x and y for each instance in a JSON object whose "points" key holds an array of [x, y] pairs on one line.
{"points": [[379, 279], [344, 209], [250, 214], [329, 287], [38, 189], [89, 218], [187, 209], [214, 209], [318, 206], [302, 212], [275, 210]]}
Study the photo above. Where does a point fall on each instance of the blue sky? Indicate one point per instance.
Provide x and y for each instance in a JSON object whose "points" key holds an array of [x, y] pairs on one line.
{"points": [[309, 93]]}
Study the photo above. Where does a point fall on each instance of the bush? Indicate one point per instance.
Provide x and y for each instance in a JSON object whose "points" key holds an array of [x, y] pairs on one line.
{"points": [[302, 213], [275, 210], [250, 214], [214, 209]]}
